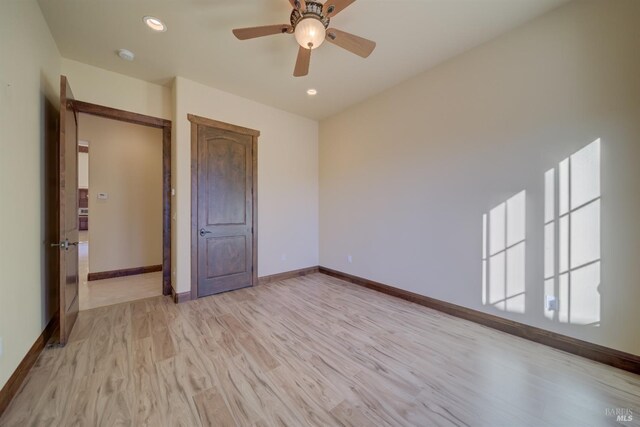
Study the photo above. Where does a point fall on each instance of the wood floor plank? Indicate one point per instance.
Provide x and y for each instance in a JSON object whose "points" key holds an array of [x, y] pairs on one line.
{"points": [[163, 347], [350, 414], [310, 409], [181, 410], [141, 326], [21, 408], [241, 397], [309, 351], [273, 409], [99, 399], [212, 409], [148, 407], [258, 353]]}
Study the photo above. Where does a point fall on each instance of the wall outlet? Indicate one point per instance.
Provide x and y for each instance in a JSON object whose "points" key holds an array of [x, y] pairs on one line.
{"points": [[349, 259], [283, 257], [550, 303]]}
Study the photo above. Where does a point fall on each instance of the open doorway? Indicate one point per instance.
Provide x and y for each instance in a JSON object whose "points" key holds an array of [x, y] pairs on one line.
{"points": [[123, 186], [61, 167]]}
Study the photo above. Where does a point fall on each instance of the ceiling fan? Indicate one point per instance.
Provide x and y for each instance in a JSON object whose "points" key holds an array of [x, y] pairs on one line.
{"points": [[310, 26]]}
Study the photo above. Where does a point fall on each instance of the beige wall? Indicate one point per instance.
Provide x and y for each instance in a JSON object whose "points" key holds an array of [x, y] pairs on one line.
{"points": [[287, 179], [102, 87], [125, 161], [406, 176], [83, 170], [29, 91]]}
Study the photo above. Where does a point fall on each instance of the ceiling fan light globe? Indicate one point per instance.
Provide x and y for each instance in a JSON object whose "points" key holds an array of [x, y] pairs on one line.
{"points": [[310, 33]]}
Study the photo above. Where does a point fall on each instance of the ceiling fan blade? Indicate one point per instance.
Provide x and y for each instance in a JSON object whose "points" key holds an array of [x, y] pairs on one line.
{"points": [[333, 7], [302, 63], [299, 4], [358, 45], [267, 30]]}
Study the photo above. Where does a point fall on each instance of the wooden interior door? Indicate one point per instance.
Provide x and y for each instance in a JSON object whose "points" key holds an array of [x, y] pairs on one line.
{"points": [[68, 205], [225, 209]]}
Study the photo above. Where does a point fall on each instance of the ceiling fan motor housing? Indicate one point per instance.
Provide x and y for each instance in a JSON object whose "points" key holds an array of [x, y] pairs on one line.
{"points": [[313, 10]]}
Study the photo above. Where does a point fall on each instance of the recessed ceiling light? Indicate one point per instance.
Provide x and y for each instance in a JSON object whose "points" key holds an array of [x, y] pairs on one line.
{"points": [[154, 23], [312, 92], [125, 54]]}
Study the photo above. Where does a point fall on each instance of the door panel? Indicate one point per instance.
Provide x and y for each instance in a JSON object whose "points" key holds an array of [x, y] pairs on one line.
{"points": [[227, 255], [68, 193], [225, 210], [226, 181]]}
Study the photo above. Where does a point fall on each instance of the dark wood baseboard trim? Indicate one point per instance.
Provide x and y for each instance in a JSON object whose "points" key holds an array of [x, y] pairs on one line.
{"points": [[180, 297], [287, 275], [15, 380], [124, 272], [619, 359]]}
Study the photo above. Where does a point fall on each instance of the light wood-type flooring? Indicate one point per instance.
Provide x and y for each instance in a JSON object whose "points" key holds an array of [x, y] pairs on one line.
{"points": [[309, 351], [99, 293]]}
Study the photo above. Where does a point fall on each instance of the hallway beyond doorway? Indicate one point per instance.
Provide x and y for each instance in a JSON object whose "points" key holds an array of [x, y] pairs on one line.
{"points": [[100, 293]]}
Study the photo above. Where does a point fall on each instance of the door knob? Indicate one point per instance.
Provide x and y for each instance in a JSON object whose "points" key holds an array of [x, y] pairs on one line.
{"points": [[62, 245], [65, 244], [204, 232]]}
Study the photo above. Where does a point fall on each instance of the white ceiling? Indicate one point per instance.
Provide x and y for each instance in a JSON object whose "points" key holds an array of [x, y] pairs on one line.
{"points": [[412, 36]]}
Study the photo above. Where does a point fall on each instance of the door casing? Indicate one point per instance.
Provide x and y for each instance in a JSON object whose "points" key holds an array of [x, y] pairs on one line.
{"points": [[165, 125]]}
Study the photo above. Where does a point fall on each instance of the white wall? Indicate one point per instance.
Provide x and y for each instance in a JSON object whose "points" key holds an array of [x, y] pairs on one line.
{"points": [[29, 97], [125, 162], [287, 179], [406, 176]]}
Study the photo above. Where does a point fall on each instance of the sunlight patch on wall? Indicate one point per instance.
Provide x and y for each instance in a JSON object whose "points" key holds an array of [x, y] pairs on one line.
{"points": [[572, 238], [504, 254], [549, 237]]}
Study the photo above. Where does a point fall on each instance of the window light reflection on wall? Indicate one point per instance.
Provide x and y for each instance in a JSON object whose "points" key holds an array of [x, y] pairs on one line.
{"points": [[503, 255], [572, 238]]}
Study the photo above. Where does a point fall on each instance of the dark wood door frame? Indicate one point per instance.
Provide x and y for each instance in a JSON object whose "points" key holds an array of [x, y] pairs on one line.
{"points": [[195, 121], [165, 125]]}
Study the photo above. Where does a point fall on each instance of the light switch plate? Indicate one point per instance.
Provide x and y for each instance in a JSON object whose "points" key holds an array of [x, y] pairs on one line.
{"points": [[1, 347], [103, 196]]}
